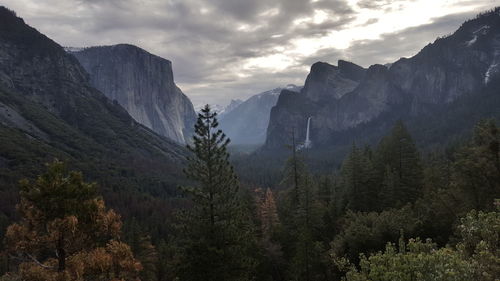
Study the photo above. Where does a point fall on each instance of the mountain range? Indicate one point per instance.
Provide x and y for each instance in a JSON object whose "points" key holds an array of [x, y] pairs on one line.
{"points": [[344, 98], [50, 109], [116, 113], [246, 122]]}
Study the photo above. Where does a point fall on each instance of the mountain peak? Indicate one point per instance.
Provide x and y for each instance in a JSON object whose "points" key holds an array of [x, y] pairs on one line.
{"points": [[143, 84]]}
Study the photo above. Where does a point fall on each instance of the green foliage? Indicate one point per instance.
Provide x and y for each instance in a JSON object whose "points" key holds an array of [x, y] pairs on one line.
{"points": [[217, 230], [415, 261], [58, 194], [369, 232], [302, 211], [476, 172], [398, 163], [476, 257], [359, 181]]}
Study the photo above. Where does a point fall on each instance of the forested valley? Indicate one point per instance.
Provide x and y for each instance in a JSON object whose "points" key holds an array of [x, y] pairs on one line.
{"points": [[384, 171], [389, 213]]}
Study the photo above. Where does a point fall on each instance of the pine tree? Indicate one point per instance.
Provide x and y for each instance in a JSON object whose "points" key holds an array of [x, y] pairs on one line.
{"points": [[217, 229], [398, 163], [476, 171], [359, 181], [301, 216], [66, 233]]}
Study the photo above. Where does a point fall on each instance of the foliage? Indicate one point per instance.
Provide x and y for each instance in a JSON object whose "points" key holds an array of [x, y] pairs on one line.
{"points": [[415, 261], [217, 230], [369, 232], [476, 176], [398, 163], [66, 233], [476, 257], [359, 181]]}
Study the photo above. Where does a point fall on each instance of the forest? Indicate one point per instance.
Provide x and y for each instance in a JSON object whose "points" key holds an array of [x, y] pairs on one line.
{"points": [[390, 212]]}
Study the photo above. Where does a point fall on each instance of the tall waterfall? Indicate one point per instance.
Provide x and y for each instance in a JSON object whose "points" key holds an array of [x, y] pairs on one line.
{"points": [[307, 143]]}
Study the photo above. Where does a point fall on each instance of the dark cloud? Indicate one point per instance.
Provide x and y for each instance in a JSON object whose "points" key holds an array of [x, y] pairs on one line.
{"points": [[211, 42]]}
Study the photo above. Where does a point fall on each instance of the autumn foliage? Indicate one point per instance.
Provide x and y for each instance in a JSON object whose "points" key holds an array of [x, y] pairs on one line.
{"points": [[66, 233]]}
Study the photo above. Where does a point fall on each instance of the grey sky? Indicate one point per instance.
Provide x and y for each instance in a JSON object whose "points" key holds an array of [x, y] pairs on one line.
{"points": [[228, 49]]}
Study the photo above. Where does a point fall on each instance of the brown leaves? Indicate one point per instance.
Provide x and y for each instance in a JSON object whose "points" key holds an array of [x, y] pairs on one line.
{"points": [[64, 226]]}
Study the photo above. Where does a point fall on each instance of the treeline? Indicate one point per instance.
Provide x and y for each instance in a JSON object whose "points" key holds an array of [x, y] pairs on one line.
{"points": [[387, 214]]}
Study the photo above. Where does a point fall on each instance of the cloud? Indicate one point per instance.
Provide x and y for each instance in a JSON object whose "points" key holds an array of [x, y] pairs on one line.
{"points": [[222, 50]]}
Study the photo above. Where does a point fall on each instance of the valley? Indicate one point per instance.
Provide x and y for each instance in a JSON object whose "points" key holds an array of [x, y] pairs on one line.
{"points": [[108, 171]]}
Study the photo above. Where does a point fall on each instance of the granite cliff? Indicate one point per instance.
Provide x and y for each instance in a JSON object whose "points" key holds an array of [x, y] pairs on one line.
{"points": [[143, 84]]}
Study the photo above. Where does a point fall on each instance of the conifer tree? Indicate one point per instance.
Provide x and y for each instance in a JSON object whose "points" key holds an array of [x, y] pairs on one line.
{"points": [[66, 233], [359, 181], [398, 163], [217, 229], [301, 217], [476, 172]]}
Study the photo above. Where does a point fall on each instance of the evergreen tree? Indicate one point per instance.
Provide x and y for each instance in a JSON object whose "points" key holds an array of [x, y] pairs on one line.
{"points": [[359, 181], [218, 244], [301, 217], [476, 171], [143, 249], [398, 164], [66, 233]]}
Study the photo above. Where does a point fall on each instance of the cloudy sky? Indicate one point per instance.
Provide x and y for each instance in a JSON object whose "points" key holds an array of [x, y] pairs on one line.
{"points": [[228, 49]]}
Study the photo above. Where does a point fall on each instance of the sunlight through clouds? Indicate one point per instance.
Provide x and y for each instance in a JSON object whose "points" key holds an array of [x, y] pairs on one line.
{"points": [[222, 50]]}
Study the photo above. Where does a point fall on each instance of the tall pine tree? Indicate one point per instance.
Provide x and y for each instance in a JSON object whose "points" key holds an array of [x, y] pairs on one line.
{"points": [[218, 231], [359, 182], [398, 164], [476, 172]]}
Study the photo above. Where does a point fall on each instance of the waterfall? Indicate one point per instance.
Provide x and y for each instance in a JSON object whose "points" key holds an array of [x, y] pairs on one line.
{"points": [[307, 143]]}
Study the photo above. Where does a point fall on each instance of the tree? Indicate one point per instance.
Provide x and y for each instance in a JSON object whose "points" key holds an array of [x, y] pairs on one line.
{"points": [[416, 260], [476, 256], [398, 163], [369, 232], [476, 171], [66, 233], [268, 214], [301, 215], [218, 231], [359, 181]]}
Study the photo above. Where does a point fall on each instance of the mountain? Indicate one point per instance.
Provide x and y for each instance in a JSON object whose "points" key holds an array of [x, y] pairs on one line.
{"points": [[49, 109], [246, 123], [232, 105], [341, 98], [143, 84]]}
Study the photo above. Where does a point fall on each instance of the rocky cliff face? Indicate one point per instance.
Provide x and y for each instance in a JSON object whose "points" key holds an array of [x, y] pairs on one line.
{"points": [[47, 102], [246, 122], [143, 84], [342, 97]]}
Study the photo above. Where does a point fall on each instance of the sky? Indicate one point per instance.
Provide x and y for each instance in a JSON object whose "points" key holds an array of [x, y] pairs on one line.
{"points": [[233, 49]]}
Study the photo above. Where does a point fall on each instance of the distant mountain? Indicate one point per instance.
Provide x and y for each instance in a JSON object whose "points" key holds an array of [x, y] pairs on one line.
{"points": [[342, 98], [49, 109], [220, 109], [231, 106], [143, 84], [246, 122]]}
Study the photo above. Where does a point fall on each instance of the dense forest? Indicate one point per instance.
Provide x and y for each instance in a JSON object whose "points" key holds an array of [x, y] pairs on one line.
{"points": [[390, 212]]}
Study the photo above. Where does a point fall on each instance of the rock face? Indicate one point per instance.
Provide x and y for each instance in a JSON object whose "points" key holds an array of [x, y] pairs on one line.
{"points": [[342, 97], [143, 84], [48, 105], [247, 122]]}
